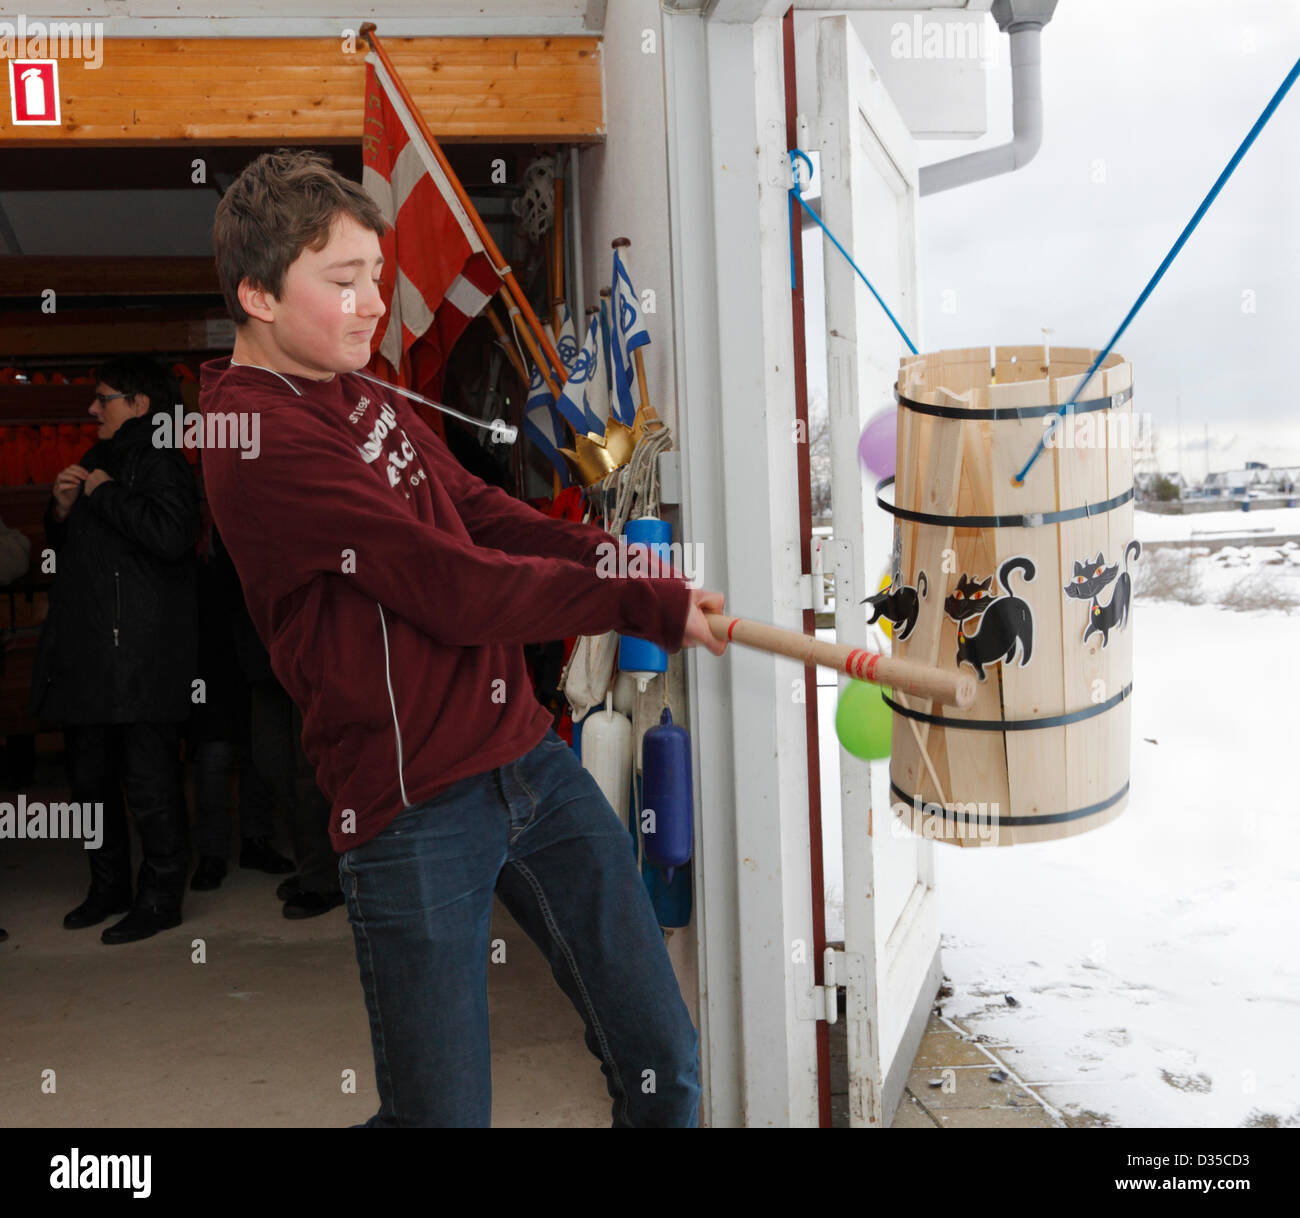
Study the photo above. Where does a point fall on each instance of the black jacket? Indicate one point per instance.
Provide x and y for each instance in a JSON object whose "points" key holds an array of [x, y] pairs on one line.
{"points": [[119, 642]]}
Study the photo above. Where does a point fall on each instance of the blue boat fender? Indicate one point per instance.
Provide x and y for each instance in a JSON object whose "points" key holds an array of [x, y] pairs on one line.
{"points": [[667, 809]]}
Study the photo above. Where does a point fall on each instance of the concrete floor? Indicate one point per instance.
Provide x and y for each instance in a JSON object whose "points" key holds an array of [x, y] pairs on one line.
{"points": [[950, 1085], [261, 1034], [265, 1031], [954, 1084]]}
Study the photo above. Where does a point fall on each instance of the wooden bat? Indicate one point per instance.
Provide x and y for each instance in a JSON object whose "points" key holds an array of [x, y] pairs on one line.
{"points": [[950, 688]]}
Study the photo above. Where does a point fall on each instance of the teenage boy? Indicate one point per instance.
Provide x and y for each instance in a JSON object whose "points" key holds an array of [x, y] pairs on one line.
{"points": [[395, 591]]}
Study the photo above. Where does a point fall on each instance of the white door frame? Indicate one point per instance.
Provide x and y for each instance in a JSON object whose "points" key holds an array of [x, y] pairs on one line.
{"points": [[735, 388], [728, 178], [892, 963]]}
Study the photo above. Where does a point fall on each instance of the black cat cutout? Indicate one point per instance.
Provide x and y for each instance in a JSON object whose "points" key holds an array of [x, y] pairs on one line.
{"points": [[969, 598], [1007, 621], [899, 606], [1090, 580]]}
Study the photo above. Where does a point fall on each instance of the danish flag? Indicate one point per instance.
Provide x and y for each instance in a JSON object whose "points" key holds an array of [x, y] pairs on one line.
{"points": [[437, 276]]}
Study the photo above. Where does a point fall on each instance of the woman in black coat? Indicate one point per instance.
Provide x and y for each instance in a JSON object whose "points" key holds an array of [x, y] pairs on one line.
{"points": [[117, 654]]}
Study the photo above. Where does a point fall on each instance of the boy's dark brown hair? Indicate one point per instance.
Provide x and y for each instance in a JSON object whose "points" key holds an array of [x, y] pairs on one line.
{"points": [[282, 203]]}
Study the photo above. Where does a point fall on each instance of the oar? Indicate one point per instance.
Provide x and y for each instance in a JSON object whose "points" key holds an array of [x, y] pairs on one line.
{"points": [[949, 688]]}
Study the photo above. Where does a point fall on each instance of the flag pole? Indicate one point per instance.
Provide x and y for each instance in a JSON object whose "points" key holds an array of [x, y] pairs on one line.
{"points": [[537, 339], [511, 354]]}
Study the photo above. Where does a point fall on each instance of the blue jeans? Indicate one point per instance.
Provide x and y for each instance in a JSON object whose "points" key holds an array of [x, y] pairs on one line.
{"points": [[539, 833]]}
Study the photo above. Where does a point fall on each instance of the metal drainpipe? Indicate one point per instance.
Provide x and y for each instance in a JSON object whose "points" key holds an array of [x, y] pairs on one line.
{"points": [[1023, 21]]}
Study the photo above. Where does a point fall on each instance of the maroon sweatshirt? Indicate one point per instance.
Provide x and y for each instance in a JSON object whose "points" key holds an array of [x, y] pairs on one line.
{"points": [[394, 590]]}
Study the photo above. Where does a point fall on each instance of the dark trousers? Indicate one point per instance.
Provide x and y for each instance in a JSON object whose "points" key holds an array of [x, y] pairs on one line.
{"points": [[142, 760], [278, 755], [538, 833], [214, 763]]}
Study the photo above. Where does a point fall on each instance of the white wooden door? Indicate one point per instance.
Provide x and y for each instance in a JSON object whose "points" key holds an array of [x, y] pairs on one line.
{"points": [[869, 192]]}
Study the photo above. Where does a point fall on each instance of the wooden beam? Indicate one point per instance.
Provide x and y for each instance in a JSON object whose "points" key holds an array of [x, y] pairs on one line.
{"points": [[104, 332], [38, 404], [255, 90], [69, 275]]}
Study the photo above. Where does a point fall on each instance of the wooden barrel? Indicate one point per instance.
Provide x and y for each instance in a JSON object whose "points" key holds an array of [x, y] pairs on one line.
{"points": [[1028, 587]]}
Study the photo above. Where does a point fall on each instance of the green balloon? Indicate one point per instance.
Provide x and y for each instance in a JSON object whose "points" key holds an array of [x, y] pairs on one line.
{"points": [[863, 722]]}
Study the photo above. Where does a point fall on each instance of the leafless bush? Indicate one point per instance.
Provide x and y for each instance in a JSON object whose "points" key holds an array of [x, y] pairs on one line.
{"points": [[1168, 575], [1260, 590]]}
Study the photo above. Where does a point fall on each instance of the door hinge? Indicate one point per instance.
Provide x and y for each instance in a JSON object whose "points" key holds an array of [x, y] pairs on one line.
{"points": [[811, 593], [821, 1002]]}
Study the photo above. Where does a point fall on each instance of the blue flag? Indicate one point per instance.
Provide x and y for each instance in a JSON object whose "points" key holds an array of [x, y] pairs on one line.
{"points": [[581, 398], [628, 332], [566, 346], [543, 425]]}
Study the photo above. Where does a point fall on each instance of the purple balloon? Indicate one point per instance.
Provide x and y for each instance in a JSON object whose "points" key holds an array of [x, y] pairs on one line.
{"points": [[878, 447]]}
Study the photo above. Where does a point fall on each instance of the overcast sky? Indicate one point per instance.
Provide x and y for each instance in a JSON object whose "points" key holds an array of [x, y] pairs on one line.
{"points": [[1160, 93]]}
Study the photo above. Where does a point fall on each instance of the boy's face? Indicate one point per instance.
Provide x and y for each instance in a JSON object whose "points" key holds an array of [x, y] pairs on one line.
{"points": [[330, 304]]}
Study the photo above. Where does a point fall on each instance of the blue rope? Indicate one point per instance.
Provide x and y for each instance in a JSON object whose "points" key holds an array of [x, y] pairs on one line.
{"points": [[1164, 266], [796, 192]]}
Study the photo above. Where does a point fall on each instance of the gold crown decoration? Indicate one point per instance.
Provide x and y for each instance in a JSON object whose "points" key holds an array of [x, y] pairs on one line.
{"points": [[597, 456]]}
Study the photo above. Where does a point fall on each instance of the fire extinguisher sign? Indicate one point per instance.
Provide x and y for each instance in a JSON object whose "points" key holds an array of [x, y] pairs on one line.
{"points": [[34, 92]]}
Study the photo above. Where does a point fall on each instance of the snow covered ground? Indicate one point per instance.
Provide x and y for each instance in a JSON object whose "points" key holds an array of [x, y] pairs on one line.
{"points": [[1254, 571], [1152, 526], [1153, 960]]}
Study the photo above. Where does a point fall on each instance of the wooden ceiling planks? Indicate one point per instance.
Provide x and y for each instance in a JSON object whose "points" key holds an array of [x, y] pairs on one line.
{"points": [[259, 90]]}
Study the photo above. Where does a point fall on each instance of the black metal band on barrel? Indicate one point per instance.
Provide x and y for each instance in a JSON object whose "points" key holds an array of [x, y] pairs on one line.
{"points": [[1031, 520], [1011, 725], [1113, 402], [1010, 822]]}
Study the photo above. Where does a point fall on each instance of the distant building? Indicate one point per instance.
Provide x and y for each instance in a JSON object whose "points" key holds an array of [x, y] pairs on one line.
{"points": [[1254, 479], [1234, 483], [1284, 479]]}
